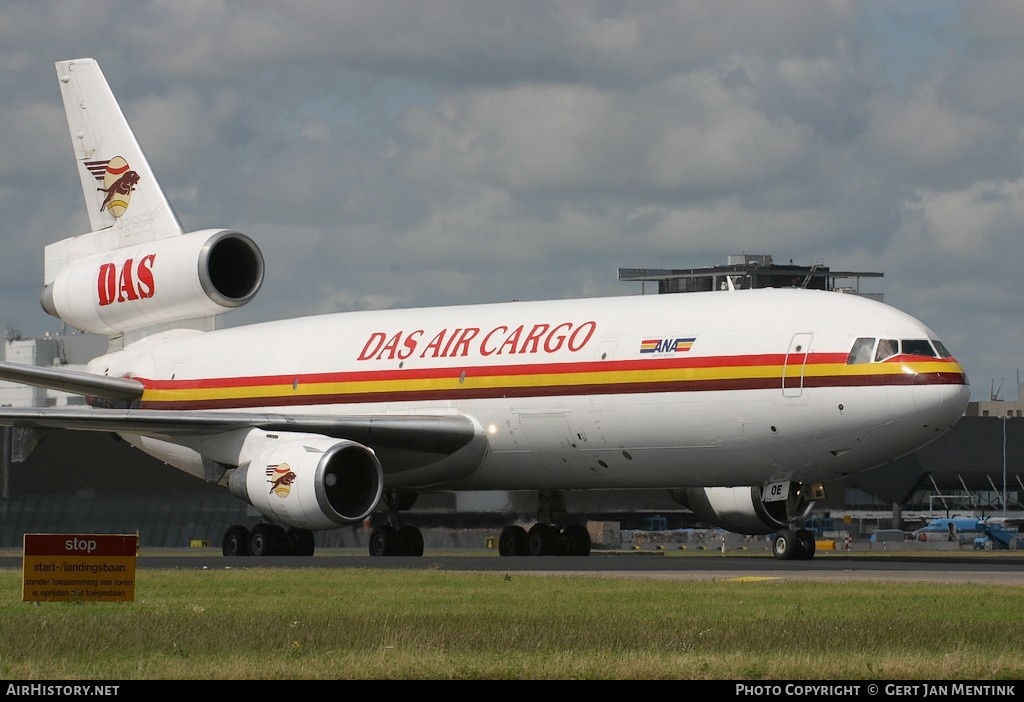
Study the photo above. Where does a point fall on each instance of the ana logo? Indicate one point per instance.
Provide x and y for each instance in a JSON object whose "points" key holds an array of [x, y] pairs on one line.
{"points": [[118, 183], [679, 344], [280, 478]]}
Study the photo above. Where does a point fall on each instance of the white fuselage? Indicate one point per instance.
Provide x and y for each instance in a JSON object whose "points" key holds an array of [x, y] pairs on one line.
{"points": [[686, 390]]}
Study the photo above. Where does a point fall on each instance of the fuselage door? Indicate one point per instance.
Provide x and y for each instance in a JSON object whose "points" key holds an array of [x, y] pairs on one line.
{"points": [[793, 368]]}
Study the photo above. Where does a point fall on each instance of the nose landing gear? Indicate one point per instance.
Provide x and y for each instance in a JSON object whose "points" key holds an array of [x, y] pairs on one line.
{"points": [[788, 545]]}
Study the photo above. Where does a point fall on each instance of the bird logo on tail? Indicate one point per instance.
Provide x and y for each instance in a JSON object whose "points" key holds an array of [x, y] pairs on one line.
{"points": [[118, 179]]}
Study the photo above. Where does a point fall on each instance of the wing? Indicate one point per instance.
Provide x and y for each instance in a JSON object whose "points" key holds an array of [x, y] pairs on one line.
{"points": [[403, 441]]}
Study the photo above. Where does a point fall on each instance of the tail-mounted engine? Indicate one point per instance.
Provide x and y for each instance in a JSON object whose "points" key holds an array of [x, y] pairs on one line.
{"points": [[197, 275], [743, 510], [311, 482]]}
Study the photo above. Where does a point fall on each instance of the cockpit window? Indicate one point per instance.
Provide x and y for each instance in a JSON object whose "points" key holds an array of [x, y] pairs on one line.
{"points": [[918, 347], [864, 349], [887, 348], [861, 351]]}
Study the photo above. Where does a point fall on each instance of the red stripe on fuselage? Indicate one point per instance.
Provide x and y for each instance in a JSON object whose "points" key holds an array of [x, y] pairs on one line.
{"points": [[612, 388], [407, 374]]}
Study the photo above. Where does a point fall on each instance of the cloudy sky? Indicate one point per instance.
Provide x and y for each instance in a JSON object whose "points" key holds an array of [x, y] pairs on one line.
{"points": [[392, 154]]}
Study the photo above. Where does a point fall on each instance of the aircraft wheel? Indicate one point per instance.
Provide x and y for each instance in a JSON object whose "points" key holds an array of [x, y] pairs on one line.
{"points": [[410, 541], [542, 540], [784, 544], [384, 541], [267, 540], [807, 545], [512, 541], [236, 541], [577, 540], [302, 542]]}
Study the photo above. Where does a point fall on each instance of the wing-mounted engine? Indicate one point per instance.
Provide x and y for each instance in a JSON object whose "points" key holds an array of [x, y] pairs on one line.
{"points": [[743, 510], [173, 279], [311, 482]]}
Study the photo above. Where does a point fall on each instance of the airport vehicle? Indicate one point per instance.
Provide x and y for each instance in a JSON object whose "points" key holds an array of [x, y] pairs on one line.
{"points": [[997, 534], [741, 403]]}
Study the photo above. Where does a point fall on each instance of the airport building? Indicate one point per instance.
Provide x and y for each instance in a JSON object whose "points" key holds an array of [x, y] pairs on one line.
{"points": [[79, 481]]}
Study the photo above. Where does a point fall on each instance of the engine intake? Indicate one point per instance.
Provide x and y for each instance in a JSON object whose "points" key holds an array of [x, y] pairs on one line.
{"points": [[311, 483], [230, 268]]}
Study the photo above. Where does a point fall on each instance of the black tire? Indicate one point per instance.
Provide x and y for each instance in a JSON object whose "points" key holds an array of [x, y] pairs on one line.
{"points": [[576, 540], [302, 542], [512, 541], [236, 541], [410, 541], [784, 545], [542, 540], [384, 541], [267, 540], [807, 544]]}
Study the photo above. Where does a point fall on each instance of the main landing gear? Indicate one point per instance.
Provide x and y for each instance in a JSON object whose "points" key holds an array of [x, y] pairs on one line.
{"points": [[788, 545], [395, 538], [403, 540], [545, 538], [267, 540]]}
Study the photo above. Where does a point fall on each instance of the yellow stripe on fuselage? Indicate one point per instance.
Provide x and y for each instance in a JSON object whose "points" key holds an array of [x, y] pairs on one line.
{"points": [[465, 379]]}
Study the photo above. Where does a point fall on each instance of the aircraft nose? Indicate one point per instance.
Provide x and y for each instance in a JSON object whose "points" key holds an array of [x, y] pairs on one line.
{"points": [[940, 406]]}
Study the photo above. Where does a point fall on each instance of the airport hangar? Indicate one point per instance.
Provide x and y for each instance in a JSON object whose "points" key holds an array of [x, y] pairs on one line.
{"points": [[73, 481]]}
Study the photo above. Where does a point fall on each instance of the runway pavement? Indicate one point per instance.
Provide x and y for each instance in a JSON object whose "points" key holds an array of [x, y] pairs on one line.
{"points": [[981, 567]]}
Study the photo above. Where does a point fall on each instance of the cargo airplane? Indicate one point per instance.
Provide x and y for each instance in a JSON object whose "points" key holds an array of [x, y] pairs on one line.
{"points": [[741, 404]]}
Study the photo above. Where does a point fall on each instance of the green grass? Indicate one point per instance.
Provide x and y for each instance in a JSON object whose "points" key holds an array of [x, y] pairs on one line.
{"points": [[330, 623]]}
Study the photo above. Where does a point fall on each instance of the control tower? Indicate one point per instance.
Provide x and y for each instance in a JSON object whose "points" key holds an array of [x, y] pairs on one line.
{"points": [[752, 271]]}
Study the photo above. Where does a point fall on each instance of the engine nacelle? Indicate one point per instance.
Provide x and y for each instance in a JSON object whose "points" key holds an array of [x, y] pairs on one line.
{"points": [[195, 275], [740, 509], [312, 482]]}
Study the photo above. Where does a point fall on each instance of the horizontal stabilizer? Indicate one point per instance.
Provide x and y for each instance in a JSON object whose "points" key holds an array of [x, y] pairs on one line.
{"points": [[76, 382]]}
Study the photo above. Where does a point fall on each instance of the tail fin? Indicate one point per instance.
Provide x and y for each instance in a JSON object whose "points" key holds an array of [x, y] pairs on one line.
{"points": [[137, 272], [121, 191]]}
